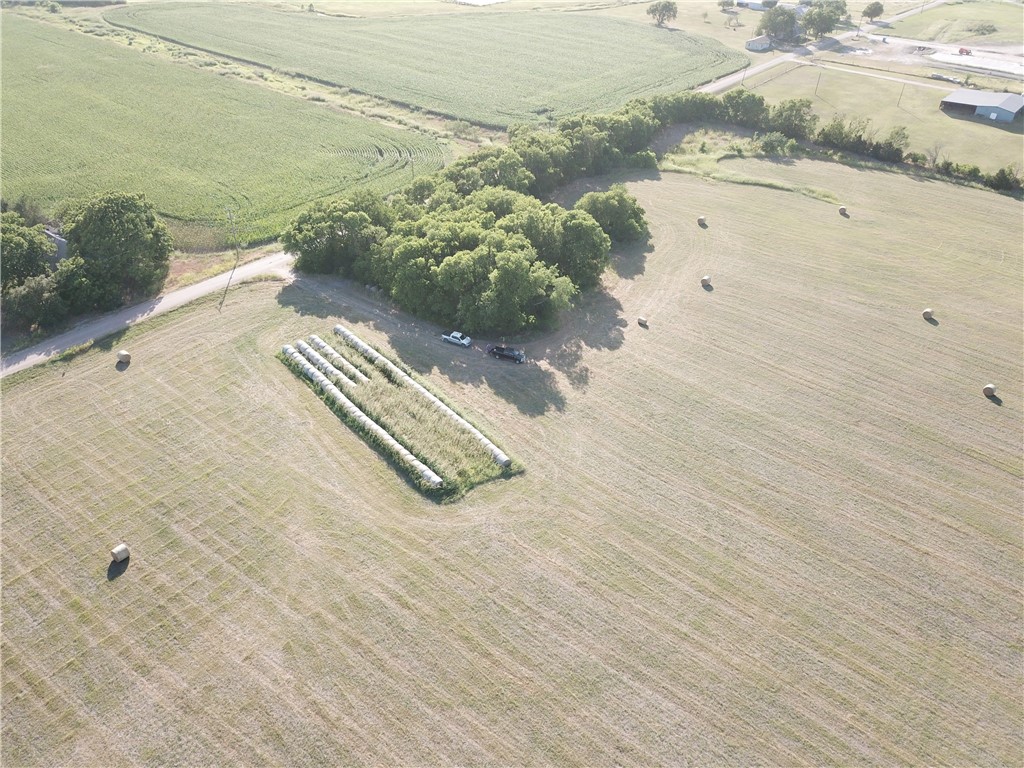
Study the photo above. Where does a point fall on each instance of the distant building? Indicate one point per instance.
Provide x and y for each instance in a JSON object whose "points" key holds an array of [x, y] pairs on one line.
{"points": [[1001, 107], [62, 247], [759, 43]]}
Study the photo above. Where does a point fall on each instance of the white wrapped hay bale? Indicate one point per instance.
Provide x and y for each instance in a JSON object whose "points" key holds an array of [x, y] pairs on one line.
{"points": [[430, 477], [324, 365], [989, 390], [124, 356], [339, 362], [701, 221], [927, 314], [706, 280], [120, 553]]}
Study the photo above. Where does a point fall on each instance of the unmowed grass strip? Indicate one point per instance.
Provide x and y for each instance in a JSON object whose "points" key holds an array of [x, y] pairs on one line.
{"points": [[494, 69], [82, 116], [703, 152], [409, 418]]}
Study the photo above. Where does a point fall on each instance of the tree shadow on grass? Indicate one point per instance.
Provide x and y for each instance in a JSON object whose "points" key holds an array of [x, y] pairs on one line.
{"points": [[533, 388], [629, 260]]}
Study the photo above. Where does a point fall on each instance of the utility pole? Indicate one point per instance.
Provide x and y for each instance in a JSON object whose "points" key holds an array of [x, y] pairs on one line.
{"points": [[817, 83], [901, 94], [238, 255]]}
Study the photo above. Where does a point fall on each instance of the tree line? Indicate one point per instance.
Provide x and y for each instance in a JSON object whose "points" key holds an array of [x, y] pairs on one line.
{"points": [[473, 245], [118, 251]]}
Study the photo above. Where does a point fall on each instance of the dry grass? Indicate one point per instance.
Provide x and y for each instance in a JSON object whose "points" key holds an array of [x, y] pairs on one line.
{"points": [[781, 526]]}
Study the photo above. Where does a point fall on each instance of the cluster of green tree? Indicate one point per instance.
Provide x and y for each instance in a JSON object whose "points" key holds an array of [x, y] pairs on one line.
{"points": [[474, 246], [820, 19], [483, 256], [856, 135], [117, 251]]}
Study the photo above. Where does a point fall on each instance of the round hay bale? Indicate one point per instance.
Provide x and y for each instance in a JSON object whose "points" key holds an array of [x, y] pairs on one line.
{"points": [[989, 390], [119, 553], [842, 210], [706, 280], [642, 321], [927, 314], [124, 356], [701, 221]]}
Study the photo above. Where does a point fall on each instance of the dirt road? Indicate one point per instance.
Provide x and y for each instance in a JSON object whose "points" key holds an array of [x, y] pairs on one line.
{"points": [[277, 263]]}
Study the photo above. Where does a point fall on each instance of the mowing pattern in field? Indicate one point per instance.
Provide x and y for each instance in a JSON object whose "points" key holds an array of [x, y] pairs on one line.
{"points": [[781, 526], [494, 69], [81, 116]]}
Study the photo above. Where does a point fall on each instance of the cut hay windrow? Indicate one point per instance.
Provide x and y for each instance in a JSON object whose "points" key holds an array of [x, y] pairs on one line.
{"points": [[339, 362], [426, 474], [323, 365], [378, 359]]}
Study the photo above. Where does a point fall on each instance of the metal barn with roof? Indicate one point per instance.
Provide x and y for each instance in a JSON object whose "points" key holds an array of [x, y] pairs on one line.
{"points": [[1001, 107]]}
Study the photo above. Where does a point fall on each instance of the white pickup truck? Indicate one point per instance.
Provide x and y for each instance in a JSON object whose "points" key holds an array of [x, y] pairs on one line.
{"points": [[457, 338]]}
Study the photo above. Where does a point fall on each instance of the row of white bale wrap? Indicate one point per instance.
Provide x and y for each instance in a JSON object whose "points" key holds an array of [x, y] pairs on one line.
{"points": [[427, 474], [500, 458], [340, 362]]}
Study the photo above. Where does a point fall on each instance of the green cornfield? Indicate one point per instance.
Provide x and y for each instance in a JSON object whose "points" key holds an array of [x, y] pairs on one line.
{"points": [[81, 116], [494, 69]]}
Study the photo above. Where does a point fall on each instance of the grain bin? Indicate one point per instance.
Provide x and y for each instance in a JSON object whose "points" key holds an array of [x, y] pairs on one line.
{"points": [[124, 356], [119, 553]]}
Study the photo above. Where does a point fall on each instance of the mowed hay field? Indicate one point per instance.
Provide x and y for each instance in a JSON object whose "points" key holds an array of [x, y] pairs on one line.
{"points": [[977, 21], [780, 526], [83, 116], [491, 68]]}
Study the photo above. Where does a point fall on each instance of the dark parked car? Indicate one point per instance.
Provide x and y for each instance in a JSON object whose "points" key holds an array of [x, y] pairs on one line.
{"points": [[507, 353]]}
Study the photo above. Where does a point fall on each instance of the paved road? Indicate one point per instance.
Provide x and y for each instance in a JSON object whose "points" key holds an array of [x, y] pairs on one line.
{"points": [[91, 330]]}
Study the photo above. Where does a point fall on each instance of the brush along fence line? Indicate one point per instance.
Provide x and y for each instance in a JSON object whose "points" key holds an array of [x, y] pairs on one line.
{"points": [[401, 376], [425, 473]]}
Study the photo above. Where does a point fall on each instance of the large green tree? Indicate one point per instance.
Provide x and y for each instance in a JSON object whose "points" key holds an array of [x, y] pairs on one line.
{"points": [[820, 20], [745, 108], [778, 23], [126, 249], [793, 117], [662, 11], [873, 10], [24, 251], [586, 249], [330, 237], [617, 212], [34, 302]]}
